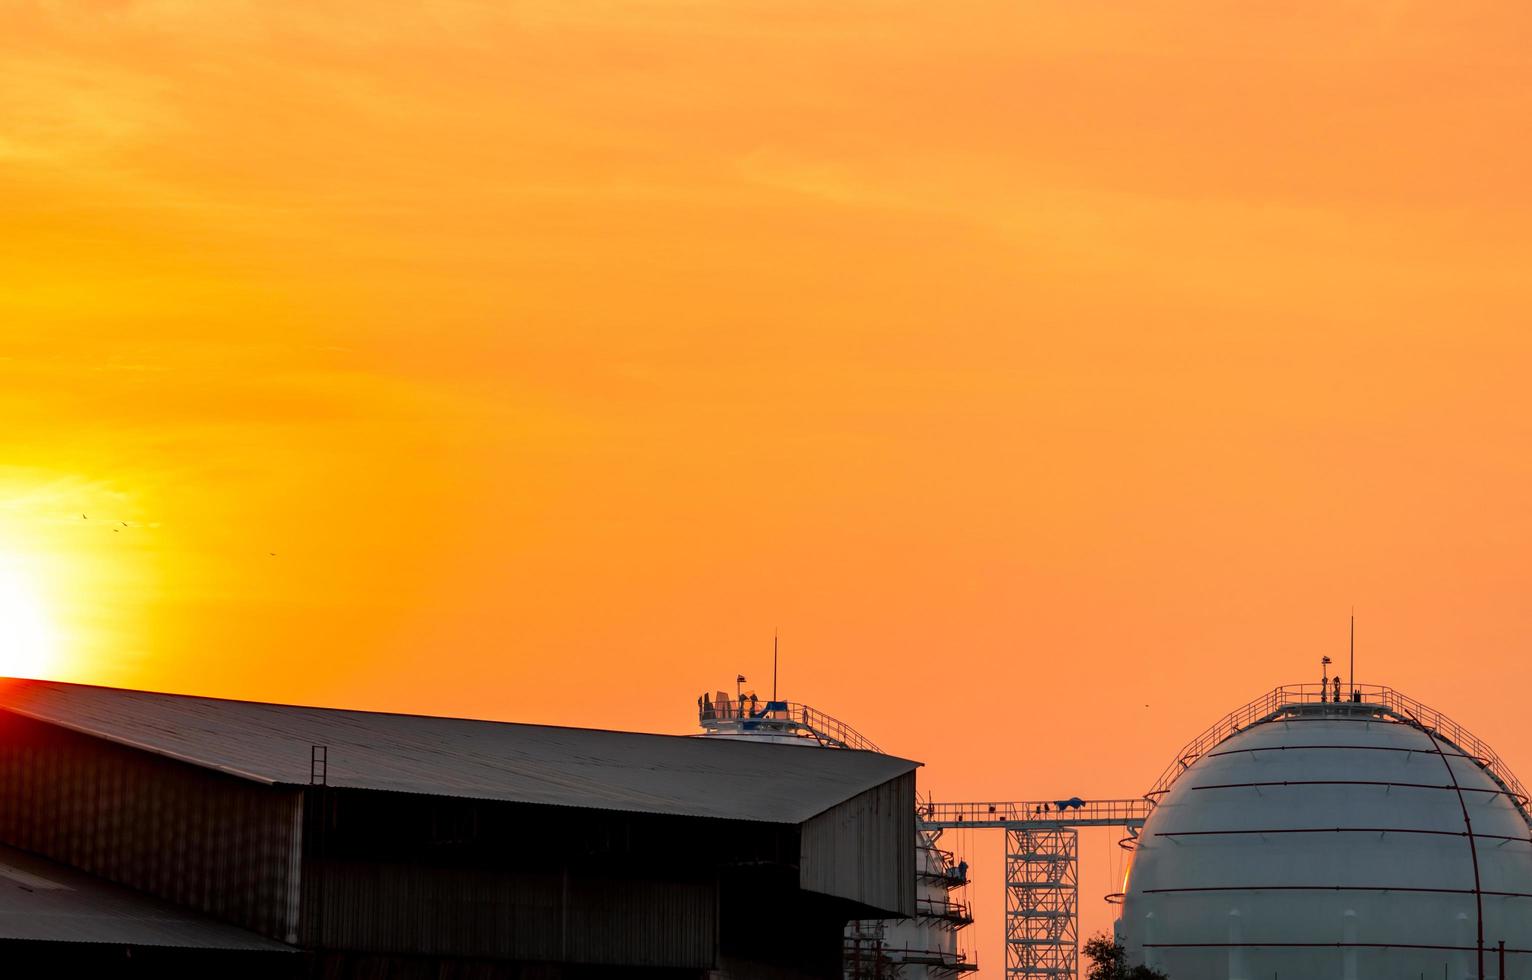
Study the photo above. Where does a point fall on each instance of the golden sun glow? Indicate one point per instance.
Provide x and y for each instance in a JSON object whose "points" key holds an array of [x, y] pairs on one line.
{"points": [[27, 638], [519, 360]]}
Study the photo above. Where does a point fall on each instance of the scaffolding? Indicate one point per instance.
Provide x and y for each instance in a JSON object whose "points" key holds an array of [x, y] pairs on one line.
{"points": [[1042, 880], [865, 955], [922, 946], [1042, 884]]}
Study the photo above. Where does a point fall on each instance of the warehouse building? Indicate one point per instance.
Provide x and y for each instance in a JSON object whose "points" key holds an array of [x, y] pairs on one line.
{"points": [[169, 835]]}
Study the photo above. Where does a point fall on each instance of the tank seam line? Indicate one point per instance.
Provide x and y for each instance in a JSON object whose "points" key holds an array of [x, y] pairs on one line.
{"points": [[1473, 850]]}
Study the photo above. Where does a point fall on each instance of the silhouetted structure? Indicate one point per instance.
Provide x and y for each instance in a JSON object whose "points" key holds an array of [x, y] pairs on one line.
{"points": [[281, 840]]}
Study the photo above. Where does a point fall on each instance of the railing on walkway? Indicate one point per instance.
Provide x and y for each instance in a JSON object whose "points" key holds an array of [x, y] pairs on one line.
{"points": [[950, 910], [1283, 700], [1037, 813], [959, 960], [789, 717]]}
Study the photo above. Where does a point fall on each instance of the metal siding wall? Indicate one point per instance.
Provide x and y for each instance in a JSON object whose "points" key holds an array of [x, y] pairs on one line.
{"points": [[198, 838], [862, 850], [421, 910], [417, 909], [642, 923]]}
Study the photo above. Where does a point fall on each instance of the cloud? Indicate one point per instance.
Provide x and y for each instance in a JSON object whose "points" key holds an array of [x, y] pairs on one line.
{"points": [[64, 110]]}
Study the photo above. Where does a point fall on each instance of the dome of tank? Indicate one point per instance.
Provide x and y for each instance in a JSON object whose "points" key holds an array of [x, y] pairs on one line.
{"points": [[1305, 839]]}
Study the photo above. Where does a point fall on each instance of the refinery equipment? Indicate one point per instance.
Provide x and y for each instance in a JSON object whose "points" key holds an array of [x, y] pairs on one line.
{"points": [[1042, 935], [1313, 833], [923, 947], [1321, 833], [1316, 832], [175, 837]]}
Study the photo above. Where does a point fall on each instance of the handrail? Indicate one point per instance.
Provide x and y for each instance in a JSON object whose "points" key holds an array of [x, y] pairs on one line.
{"points": [[959, 959], [935, 908], [1036, 813], [953, 960], [790, 716], [1283, 700]]}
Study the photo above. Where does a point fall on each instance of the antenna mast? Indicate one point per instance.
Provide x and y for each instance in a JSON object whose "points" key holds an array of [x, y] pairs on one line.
{"points": [[1352, 675], [773, 665]]}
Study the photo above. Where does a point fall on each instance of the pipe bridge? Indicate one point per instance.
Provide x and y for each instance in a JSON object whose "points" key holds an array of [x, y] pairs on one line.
{"points": [[1042, 853]]}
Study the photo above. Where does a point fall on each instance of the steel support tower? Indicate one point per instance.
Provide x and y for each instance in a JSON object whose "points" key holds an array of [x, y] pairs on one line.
{"points": [[1042, 858], [1042, 903]]}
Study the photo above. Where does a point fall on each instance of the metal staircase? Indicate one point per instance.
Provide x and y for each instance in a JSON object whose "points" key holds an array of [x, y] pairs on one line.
{"points": [[1041, 871]]}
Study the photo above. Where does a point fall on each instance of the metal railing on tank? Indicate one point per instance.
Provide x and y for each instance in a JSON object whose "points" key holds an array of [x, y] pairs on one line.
{"points": [[960, 960], [1389, 702], [949, 910], [787, 716], [947, 870]]}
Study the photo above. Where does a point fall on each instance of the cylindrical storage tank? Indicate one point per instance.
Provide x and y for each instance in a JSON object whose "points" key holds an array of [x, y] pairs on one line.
{"points": [[926, 946], [1332, 841], [921, 947]]}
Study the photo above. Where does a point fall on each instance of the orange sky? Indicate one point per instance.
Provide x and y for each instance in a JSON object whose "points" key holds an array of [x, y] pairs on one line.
{"points": [[1054, 375]]}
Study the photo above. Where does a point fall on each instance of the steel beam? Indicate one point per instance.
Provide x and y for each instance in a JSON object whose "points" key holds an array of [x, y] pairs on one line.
{"points": [[1042, 922]]}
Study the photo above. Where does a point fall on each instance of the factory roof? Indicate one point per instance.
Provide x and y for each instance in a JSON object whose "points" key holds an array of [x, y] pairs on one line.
{"points": [[490, 760], [41, 901]]}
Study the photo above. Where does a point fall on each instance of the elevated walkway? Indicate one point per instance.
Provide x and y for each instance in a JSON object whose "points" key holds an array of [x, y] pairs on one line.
{"points": [[1041, 870], [1036, 814], [787, 719]]}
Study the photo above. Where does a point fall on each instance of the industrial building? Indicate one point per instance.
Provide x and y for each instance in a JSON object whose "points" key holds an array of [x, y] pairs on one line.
{"points": [[58, 922], [922, 946], [163, 835], [1314, 832]]}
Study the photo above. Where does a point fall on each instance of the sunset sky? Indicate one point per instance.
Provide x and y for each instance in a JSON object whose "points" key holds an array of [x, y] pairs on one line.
{"points": [[1056, 376]]}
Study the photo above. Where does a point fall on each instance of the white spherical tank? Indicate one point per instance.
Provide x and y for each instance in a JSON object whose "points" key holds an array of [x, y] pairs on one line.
{"points": [[1319, 840]]}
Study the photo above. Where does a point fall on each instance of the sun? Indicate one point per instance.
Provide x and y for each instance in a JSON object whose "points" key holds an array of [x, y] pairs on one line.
{"points": [[27, 637]]}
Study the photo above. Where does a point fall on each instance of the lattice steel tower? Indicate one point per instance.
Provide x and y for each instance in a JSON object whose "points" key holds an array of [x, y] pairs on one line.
{"points": [[1042, 859], [1041, 901]]}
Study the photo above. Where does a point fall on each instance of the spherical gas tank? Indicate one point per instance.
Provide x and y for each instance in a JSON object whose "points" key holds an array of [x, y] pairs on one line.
{"points": [[1332, 841]]}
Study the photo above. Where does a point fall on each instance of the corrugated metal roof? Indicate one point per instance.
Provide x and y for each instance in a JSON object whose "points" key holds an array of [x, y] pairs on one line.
{"points": [[43, 901], [669, 774]]}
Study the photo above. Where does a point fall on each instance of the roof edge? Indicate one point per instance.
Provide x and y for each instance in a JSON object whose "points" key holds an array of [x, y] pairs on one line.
{"points": [[361, 711], [141, 746]]}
